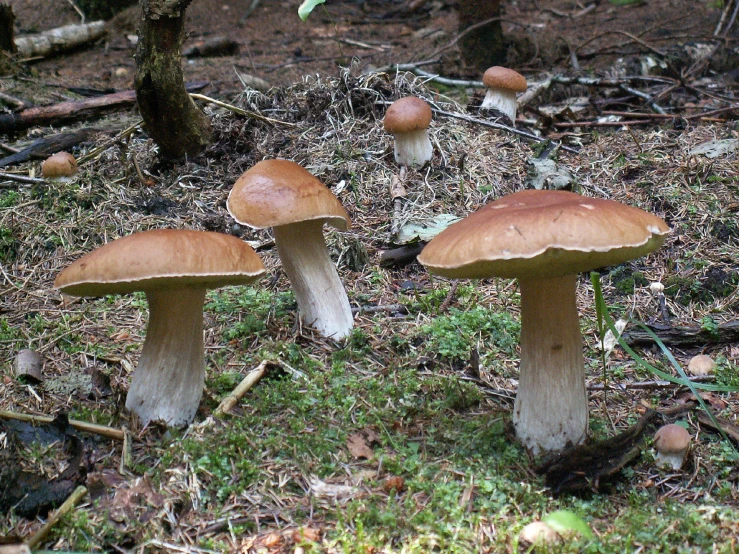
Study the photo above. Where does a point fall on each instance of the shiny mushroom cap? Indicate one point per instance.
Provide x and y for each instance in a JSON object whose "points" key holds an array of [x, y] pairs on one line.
{"points": [[281, 192], [61, 164], [672, 438], [543, 233], [504, 78], [407, 115], [161, 259], [539, 533]]}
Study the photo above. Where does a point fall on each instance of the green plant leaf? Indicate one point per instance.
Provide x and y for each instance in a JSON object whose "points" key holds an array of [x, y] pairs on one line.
{"points": [[307, 7], [564, 521]]}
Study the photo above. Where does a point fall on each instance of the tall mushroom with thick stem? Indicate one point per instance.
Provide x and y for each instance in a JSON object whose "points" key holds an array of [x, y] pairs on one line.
{"points": [[408, 119], [502, 85], [283, 195], [174, 268], [544, 239]]}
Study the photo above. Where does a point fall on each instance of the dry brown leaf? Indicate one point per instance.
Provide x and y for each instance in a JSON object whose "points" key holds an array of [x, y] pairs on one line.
{"points": [[358, 446]]}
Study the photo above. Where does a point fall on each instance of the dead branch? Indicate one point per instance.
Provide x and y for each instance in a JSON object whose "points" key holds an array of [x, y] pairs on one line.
{"points": [[73, 110], [251, 379], [395, 308], [94, 428], [401, 256], [24, 179], [240, 111], [502, 127], [59, 40], [656, 384], [69, 505], [684, 336]]}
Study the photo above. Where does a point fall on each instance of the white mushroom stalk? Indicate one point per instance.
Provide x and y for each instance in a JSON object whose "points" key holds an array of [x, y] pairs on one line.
{"points": [[502, 100], [321, 297], [413, 148], [168, 382], [551, 407]]}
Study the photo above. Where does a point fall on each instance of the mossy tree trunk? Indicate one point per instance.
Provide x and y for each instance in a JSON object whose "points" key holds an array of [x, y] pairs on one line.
{"points": [[170, 116], [483, 47]]}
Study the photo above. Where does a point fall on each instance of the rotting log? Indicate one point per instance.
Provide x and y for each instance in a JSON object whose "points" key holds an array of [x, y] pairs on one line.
{"points": [[684, 335], [73, 110], [59, 40], [171, 118]]}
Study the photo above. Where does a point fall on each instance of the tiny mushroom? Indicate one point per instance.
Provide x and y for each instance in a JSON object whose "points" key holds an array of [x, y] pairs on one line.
{"points": [[701, 365], [174, 268], [408, 119], [538, 533], [671, 444], [60, 166], [502, 85], [283, 195], [544, 238]]}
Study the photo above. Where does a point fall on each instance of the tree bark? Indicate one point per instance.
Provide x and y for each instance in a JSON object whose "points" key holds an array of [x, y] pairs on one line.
{"points": [[485, 46], [7, 19], [170, 116]]}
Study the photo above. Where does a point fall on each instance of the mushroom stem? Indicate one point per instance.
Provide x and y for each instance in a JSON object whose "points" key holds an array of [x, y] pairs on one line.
{"points": [[322, 300], [551, 407], [168, 382], [413, 148], [502, 100]]}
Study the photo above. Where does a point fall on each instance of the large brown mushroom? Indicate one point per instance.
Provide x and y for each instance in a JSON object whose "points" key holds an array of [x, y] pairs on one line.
{"points": [[174, 268], [283, 195], [544, 239]]}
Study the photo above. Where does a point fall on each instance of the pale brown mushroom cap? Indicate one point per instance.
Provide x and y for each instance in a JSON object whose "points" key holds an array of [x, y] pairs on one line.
{"points": [[406, 115], [61, 164], [502, 77], [162, 259], [701, 365], [543, 233], [671, 439], [280, 192]]}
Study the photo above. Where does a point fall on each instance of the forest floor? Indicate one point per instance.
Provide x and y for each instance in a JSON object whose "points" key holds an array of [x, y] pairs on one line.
{"points": [[397, 439]]}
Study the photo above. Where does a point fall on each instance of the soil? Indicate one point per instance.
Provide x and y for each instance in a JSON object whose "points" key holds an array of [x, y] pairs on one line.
{"points": [[275, 45]]}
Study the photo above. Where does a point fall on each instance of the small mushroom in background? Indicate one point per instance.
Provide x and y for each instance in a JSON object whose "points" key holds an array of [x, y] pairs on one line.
{"points": [[28, 365], [538, 533], [701, 365], [59, 167], [502, 84], [671, 445], [174, 268], [283, 195], [544, 238], [408, 120]]}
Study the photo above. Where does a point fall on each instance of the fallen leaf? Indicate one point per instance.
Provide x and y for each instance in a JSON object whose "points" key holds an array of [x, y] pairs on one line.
{"points": [[357, 446], [715, 148], [321, 489]]}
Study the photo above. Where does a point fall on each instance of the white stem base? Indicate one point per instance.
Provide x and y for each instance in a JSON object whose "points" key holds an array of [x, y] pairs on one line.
{"points": [[169, 380], [413, 148], [322, 300], [551, 407], [502, 100]]}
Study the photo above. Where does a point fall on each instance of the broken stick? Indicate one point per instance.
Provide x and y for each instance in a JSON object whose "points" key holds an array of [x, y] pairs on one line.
{"points": [[69, 505], [246, 384], [94, 428]]}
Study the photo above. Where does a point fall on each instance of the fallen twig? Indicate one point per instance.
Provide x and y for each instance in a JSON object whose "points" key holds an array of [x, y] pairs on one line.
{"points": [[240, 111], [21, 178], [69, 505], [94, 428], [684, 335], [655, 384], [251, 379], [59, 39], [381, 308], [502, 127]]}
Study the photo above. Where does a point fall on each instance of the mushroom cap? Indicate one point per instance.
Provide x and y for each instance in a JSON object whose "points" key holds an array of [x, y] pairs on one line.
{"points": [[281, 192], [162, 259], [701, 365], [406, 115], [542, 233], [671, 439], [61, 164], [502, 77], [538, 532]]}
